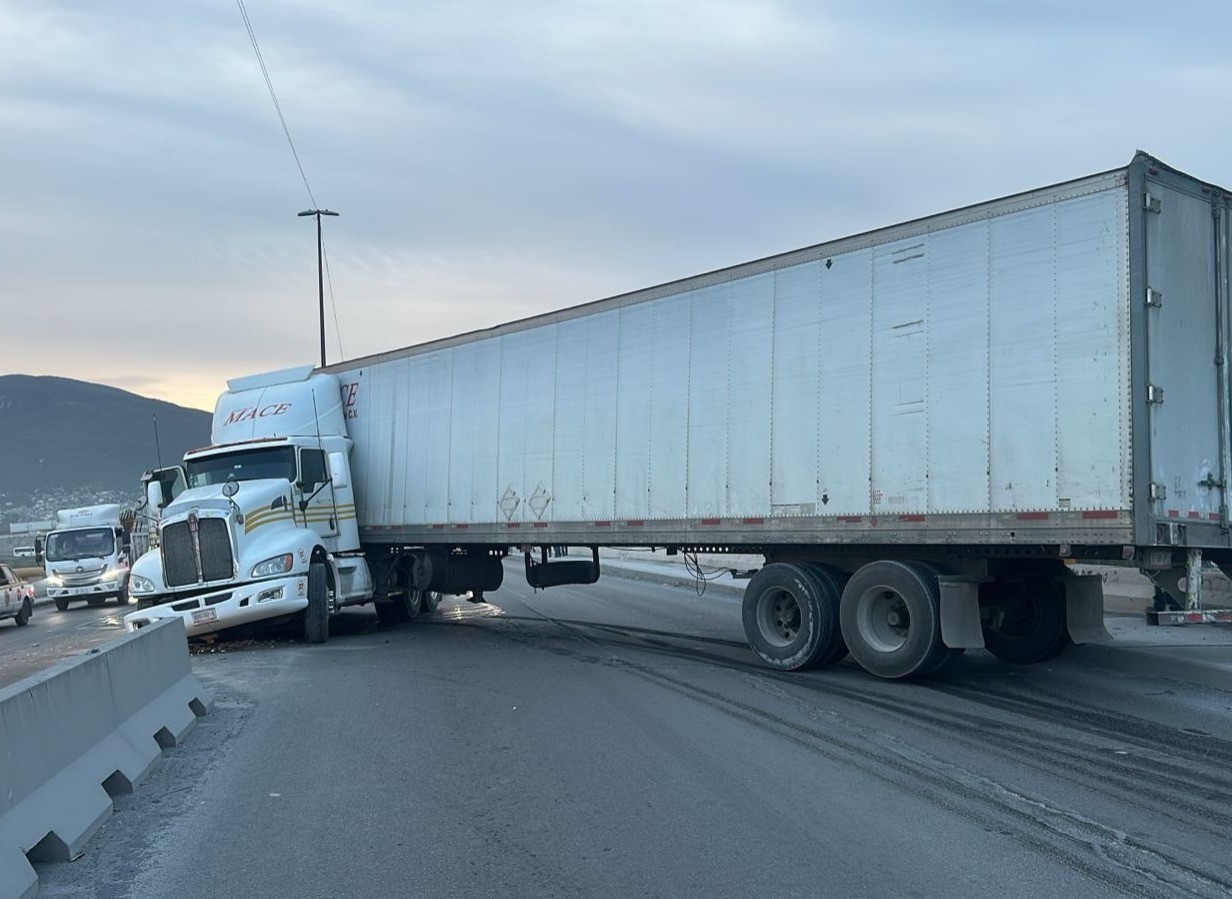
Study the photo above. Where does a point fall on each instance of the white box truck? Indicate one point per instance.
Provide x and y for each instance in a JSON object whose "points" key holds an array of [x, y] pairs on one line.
{"points": [[87, 556], [917, 427]]}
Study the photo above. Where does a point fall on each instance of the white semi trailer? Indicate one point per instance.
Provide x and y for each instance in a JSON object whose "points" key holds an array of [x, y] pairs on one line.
{"points": [[917, 427]]}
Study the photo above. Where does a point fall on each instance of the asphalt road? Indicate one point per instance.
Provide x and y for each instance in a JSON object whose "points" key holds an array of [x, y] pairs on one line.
{"points": [[573, 744], [51, 636]]}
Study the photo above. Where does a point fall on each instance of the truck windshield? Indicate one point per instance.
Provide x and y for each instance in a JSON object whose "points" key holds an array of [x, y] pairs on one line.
{"points": [[87, 543], [248, 465]]}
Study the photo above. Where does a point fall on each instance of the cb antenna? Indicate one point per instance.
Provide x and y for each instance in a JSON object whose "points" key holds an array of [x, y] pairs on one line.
{"points": [[158, 450]]}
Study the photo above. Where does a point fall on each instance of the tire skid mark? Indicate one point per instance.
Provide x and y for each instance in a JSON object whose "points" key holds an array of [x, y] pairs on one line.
{"points": [[1074, 841], [1136, 780]]}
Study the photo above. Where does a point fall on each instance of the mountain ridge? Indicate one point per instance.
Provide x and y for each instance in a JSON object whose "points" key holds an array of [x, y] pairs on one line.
{"points": [[66, 443]]}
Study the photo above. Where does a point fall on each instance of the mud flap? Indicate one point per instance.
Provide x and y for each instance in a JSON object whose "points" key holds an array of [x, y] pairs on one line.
{"points": [[1084, 609], [960, 612]]}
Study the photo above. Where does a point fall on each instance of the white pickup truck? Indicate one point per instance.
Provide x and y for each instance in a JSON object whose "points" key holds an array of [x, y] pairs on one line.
{"points": [[16, 597]]}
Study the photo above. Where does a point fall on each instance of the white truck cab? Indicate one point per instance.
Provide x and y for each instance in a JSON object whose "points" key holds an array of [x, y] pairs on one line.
{"points": [[262, 524], [87, 555]]}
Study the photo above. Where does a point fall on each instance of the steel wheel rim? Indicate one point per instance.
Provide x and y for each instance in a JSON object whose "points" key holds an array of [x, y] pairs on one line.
{"points": [[884, 619], [779, 617]]}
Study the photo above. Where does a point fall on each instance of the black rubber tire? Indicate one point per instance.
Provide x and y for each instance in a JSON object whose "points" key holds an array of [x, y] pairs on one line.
{"points": [[401, 607], [95, 602], [23, 616], [951, 655], [389, 613], [1034, 628], [429, 602], [316, 616], [809, 631], [61, 604], [122, 596], [887, 648], [832, 581]]}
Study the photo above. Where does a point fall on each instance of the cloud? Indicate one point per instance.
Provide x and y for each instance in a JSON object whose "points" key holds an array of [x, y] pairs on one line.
{"points": [[492, 160]]}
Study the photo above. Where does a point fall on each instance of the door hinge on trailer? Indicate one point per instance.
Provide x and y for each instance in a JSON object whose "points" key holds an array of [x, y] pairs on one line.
{"points": [[1158, 491], [1154, 394], [1152, 203], [1154, 297]]}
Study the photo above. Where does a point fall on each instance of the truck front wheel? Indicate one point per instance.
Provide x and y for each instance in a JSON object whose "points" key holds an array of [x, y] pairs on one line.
{"points": [[316, 616], [891, 619], [791, 617], [61, 604]]}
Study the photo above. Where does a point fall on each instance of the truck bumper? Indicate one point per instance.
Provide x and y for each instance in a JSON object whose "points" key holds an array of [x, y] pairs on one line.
{"points": [[212, 612], [85, 591]]}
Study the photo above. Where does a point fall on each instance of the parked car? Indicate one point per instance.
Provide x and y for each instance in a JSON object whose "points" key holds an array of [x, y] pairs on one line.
{"points": [[16, 597]]}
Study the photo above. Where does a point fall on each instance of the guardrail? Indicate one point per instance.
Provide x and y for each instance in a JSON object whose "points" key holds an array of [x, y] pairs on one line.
{"points": [[81, 732]]}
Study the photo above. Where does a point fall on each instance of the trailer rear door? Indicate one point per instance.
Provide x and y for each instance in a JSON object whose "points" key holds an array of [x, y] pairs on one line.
{"points": [[1186, 381]]}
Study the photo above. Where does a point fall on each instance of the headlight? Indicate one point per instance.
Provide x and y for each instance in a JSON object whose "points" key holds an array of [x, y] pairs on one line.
{"points": [[277, 565], [114, 574], [139, 584]]}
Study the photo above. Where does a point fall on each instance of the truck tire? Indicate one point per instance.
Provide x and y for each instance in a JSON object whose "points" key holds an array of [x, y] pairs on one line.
{"points": [[316, 616], [790, 617], [61, 604], [951, 655], [1029, 620], [23, 616], [402, 606], [891, 619], [832, 582], [429, 602], [389, 613]]}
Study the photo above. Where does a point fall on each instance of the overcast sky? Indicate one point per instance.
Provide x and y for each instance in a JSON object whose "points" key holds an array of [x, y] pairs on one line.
{"points": [[496, 159]]}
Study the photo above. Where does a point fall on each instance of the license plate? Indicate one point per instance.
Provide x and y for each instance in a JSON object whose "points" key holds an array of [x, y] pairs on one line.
{"points": [[202, 616]]}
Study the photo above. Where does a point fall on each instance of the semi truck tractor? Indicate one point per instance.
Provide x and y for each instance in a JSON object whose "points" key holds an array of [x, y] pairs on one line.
{"points": [[920, 429], [87, 556]]}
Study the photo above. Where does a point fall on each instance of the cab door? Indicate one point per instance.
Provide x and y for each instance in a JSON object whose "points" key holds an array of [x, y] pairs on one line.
{"points": [[317, 507]]}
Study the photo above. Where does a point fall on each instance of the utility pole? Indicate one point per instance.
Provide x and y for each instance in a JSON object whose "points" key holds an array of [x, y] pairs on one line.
{"points": [[320, 273]]}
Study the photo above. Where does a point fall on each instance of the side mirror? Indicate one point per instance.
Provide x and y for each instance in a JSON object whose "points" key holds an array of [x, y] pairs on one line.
{"points": [[154, 495], [339, 471], [38, 550]]}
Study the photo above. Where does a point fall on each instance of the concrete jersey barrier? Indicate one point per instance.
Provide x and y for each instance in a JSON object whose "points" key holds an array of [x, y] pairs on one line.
{"points": [[81, 732]]}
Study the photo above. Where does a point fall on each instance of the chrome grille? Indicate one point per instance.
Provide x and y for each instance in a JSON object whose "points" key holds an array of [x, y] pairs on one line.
{"points": [[215, 549], [179, 560]]}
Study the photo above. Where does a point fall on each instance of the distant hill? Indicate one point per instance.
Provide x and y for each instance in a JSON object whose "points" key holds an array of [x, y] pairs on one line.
{"points": [[66, 443]]}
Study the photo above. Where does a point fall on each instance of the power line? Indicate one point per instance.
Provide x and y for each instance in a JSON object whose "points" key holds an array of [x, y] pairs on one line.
{"points": [[252, 35]]}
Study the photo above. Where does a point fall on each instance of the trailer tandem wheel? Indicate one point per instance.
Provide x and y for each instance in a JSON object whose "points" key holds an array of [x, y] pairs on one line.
{"points": [[791, 617], [891, 619], [832, 582]]}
